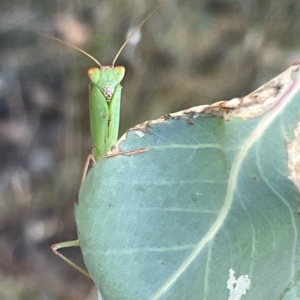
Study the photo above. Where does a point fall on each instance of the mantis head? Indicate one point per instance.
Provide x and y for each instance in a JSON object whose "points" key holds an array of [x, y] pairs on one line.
{"points": [[106, 79]]}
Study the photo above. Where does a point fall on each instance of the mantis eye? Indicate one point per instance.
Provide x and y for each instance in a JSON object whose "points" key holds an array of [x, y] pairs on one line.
{"points": [[120, 72], [94, 74]]}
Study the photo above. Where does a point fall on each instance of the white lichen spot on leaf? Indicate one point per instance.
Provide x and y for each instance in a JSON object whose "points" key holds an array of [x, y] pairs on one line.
{"points": [[139, 133], [237, 287]]}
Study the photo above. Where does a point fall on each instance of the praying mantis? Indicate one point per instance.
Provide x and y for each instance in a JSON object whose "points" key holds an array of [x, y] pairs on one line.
{"points": [[104, 107]]}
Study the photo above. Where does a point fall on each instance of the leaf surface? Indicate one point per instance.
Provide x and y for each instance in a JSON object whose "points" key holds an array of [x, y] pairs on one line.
{"points": [[200, 204]]}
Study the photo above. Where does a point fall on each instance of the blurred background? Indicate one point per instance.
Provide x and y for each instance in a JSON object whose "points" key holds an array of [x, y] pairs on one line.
{"points": [[189, 53]]}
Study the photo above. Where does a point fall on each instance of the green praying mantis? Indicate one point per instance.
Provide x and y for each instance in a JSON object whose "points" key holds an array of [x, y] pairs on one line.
{"points": [[104, 107]]}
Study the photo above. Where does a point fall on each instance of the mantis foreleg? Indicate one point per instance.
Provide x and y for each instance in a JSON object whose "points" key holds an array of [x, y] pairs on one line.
{"points": [[99, 120], [113, 125]]}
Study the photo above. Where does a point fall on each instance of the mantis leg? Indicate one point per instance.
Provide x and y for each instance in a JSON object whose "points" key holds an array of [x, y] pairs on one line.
{"points": [[99, 118], [114, 109], [74, 243], [90, 159]]}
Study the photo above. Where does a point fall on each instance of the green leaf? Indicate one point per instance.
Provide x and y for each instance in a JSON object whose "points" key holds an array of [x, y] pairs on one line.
{"points": [[200, 204]]}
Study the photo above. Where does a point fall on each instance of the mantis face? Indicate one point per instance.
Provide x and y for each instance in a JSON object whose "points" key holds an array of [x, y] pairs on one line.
{"points": [[106, 79]]}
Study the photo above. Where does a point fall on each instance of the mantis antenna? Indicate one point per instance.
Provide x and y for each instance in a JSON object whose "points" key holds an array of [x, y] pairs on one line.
{"points": [[72, 46], [121, 48]]}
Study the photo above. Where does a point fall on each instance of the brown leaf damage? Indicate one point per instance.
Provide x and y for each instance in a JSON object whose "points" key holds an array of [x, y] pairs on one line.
{"points": [[255, 104], [293, 151]]}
